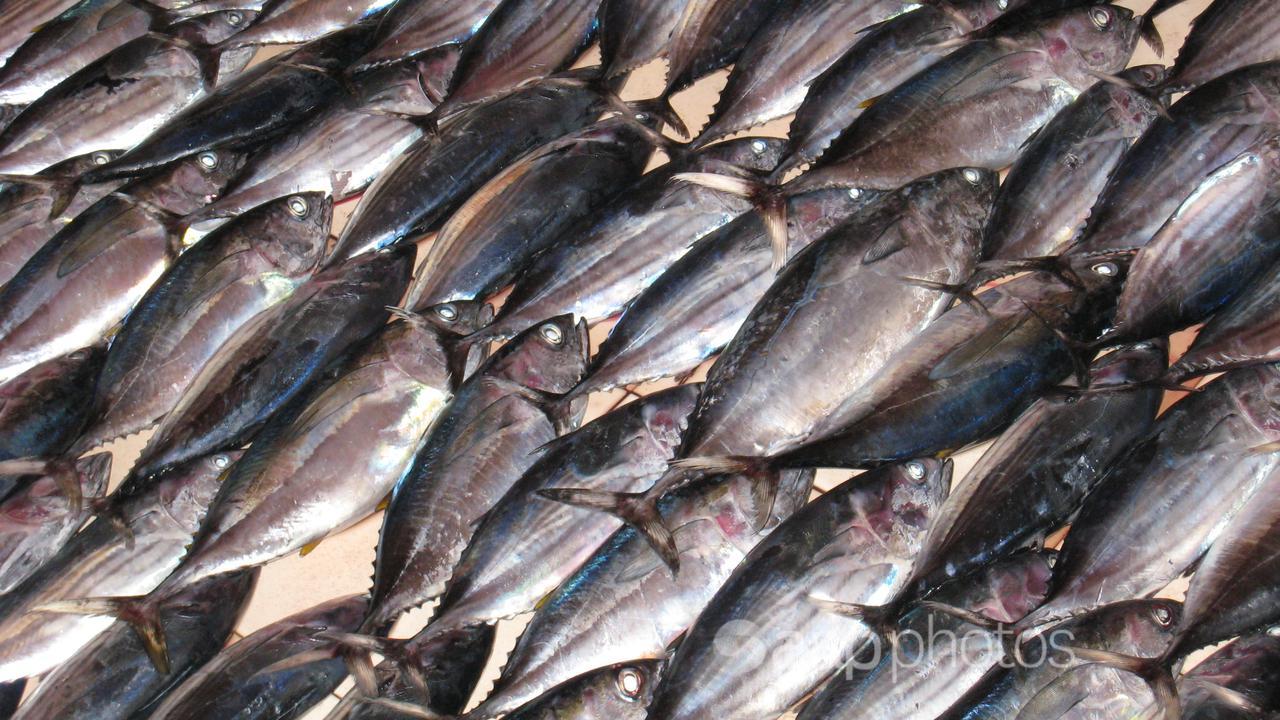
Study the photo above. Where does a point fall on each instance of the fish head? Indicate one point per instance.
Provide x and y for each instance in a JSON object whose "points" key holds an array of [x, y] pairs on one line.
{"points": [[193, 182], [1015, 586], [1139, 628], [970, 193], [458, 317], [760, 154], [215, 27], [611, 692], [918, 488], [550, 357], [291, 232], [185, 490], [1148, 77], [1098, 275], [1131, 364], [1088, 42]]}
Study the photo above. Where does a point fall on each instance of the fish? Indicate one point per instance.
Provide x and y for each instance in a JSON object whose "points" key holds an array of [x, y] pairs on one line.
{"points": [[623, 606], [651, 224], [522, 40], [278, 672], [267, 363], [525, 210], [410, 29], [622, 692], [418, 192], [1177, 279], [636, 32], [320, 156], [1217, 428], [21, 20], [937, 657], [776, 68], [854, 545], [712, 34], [112, 678], [1048, 663], [78, 288], [1228, 35], [525, 545], [309, 20], [884, 56], [266, 101], [129, 94], [161, 515], [39, 518], [1057, 178], [217, 287], [1202, 132], [977, 106], [1238, 335], [483, 441], [438, 676], [1236, 682]]}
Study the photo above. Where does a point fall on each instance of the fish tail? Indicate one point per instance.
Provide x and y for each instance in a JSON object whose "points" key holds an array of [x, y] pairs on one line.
{"points": [[661, 108], [141, 612], [63, 470], [357, 650], [1151, 34], [1155, 672], [637, 510], [769, 200]]}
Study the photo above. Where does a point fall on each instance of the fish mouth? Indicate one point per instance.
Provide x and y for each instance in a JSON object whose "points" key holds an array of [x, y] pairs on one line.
{"points": [[584, 339]]}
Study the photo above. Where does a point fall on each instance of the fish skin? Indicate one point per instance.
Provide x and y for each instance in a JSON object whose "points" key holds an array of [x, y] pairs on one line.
{"points": [[1238, 335], [977, 106], [80, 286], [1037, 474], [526, 545], [321, 156], [1065, 166], [1178, 279], [636, 32], [817, 306], [1217, 429], [1141, 628], [43, 410], [598, 695], [1204, 130], [940, 670], [1247, 667], [21, 19], [214, 289], [163, 514], [711, 34], [451, 665], [623, 605], [267, 101], [480, 445], [1229, 34], [885, 56], [113, 679], [413, 28], [800, 42], [10, 695], [642, 232], [37, 520], [309, 20], [417, 193], [525, 210], [268, 363], [854, 544], [239, 682]]}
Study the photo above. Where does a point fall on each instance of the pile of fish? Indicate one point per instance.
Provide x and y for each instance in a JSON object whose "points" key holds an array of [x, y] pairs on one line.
{"points": [[984, 225]]}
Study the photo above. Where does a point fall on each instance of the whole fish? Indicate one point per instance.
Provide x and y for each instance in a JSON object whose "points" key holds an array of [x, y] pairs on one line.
{"points": [[937, 657], [522, 40], [417, 193], [79, 287], [623, 606], [526, 209], [484, 440], [1178, 279], [711, 34], [599, 267], [268, 100], [277, 673], [161, 515], [309, 20], [1137, 627], [112, 677], [1237, 682], [1058, 176], [277, 357], [20, 19], [1036, 475], [801, 40], [1199, 463], [33, 208], [883, 57], [1203, 131], [226, 280], [410, 29], [438, 675], [1239, 334], [980, 104], [117, 101], [343, 149], [636, 32], [525, 545], [622, 692], [38, 519], [1229, 34], [855, 545], [694, 308]]}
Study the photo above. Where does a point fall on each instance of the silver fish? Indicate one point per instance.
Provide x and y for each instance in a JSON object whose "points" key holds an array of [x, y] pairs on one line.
{"points": [[308, 20], [1240, 334], [636, 32], [20, 19], [1229, 34], [413, 28]]}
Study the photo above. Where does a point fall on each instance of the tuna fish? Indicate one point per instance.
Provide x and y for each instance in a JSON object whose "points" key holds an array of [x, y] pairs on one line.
{"points": [[21, 19], [438, 675], [1230, 34], [410, 29], [309, 20], [636, 32], [1240, 334], [621, 692], [1238, 682], [711, 34]]}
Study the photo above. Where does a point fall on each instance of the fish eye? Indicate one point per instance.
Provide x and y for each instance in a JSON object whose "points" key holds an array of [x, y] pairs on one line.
{"points": [[235, 18], [972, 176], [1163, 615], [915, 469], [642, 117], [1101, 17], [630, 683], [100, 158], [1002, 4], [758, 147], [854, 193], [447, 312], [1106, 269], [298, 206], [551, 333], [1274, 631], [221, 461], [208, 160]]}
